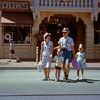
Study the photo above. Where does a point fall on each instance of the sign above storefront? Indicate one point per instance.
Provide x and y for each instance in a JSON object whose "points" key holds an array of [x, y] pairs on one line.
{"points": [[13, 5]]}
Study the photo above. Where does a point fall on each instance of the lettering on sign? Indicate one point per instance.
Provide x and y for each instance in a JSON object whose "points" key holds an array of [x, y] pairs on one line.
{"points": [[14, 5]]}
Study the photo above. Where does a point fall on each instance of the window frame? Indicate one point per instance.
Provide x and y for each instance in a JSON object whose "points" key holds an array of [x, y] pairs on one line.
{"points": [[17, 44]]}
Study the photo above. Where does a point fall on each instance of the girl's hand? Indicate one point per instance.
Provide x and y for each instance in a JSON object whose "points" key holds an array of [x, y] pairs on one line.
{"points": [[84, 62], [74, 57]]}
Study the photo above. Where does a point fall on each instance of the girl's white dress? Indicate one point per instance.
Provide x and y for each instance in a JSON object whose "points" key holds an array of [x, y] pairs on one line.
{"points": [[46, 60], [80, 58]]}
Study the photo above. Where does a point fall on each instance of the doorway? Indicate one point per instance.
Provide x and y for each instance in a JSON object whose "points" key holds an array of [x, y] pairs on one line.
{"points": [[58, 22]]}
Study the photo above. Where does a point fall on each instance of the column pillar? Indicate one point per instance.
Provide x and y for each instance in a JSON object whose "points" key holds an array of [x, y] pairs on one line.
{"points": [[35, 30], [90, 41], [0, 36]]}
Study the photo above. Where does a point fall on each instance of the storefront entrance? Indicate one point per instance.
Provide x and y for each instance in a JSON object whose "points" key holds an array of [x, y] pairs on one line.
{"points": [[58, 22]]}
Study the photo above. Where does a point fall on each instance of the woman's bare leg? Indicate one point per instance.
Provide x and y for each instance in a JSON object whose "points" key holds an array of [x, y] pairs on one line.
{"points": [[45, 72]]}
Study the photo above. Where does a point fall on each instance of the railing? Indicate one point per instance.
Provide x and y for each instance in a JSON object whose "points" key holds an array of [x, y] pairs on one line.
{"points": [[70, 4]]}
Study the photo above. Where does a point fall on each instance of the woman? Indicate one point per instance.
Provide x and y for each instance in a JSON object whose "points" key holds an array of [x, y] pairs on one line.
{"points": [[67, 47], [46, 54]]}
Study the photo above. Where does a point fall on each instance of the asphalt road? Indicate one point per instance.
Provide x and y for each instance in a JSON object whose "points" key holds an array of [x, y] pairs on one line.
{"points": [[30, 83]]}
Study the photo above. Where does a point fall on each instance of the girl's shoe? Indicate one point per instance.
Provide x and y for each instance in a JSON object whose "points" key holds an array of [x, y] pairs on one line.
{"points": [[55, 79], [67, 81], [82, 77], [45, 79], [48, 78], [64, 78], [9, 60], [58, 79], [77, 78]]}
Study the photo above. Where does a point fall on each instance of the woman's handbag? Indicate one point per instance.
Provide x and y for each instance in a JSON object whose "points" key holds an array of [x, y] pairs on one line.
{"points": [[39, 68], [75, 64]]}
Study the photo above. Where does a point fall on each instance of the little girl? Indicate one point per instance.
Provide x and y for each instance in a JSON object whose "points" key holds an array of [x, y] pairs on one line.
{"points": [[81, 59], [58, 62]]}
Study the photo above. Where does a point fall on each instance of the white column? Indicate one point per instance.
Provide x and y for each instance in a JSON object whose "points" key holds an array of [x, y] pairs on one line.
{"points": [[58, 3], [46, 2], [62, 3], [73, 3], [35, 30], [90, 3], [81, 3], [86, 3], [78, 3], [90, 41], [96, 10], [0, 29], [49, 3], [66, 4], [1, 48], [41, 3], [54, 3], [70, 3]]}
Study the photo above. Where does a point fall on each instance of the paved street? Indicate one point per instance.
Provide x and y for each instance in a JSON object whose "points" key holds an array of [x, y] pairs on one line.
{"points": [[21, 81], [29, 82]]}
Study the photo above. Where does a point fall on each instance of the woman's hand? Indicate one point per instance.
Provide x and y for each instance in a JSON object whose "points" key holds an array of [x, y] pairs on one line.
{"points": [[54, 48], [51, 56]]}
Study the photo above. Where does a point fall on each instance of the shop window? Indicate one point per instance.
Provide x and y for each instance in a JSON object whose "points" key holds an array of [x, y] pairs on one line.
{"points": [[97, 36], [19, 34], [97, 31]]}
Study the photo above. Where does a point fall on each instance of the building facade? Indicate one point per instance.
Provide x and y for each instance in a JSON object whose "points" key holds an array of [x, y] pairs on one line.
{"points": [[27, 17]]}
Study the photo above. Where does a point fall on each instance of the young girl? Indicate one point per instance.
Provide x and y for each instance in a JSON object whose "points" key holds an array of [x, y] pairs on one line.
{"points": [[59, 60], [12, 51], [81, 59]]}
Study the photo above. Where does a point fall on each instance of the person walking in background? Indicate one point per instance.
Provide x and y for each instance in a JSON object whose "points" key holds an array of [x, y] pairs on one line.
{"points": [[12, 51], [66, 44], [58, 59], [46, 54], [39, 37], [81, 59]]}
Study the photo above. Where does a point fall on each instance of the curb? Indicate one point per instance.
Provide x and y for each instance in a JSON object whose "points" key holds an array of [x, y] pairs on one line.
{"points": [[35, 68]]}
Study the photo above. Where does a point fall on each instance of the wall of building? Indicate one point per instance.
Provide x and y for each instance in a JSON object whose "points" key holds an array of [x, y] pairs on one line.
{"points": [[22, 51], [28, 51], [92, 51]]}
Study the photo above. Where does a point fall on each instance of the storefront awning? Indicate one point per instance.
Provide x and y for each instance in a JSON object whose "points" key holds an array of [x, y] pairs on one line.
{"points": [[16, 19]]}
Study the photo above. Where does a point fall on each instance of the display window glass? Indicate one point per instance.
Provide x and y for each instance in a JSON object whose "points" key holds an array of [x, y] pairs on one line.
{"points": [[19, 34]]}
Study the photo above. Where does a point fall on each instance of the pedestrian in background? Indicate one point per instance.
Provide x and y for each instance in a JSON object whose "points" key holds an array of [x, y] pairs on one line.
{"points": [[12, 51], [46, 54], [58, 59], [66, 44], [81, 59], [39, 37]]}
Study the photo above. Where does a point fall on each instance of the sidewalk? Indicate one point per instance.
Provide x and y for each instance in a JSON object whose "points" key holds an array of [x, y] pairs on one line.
{"points": [[4, 64]]}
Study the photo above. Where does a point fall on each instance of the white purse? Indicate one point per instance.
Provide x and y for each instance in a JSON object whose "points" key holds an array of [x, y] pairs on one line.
{"points": [[39, 68]]}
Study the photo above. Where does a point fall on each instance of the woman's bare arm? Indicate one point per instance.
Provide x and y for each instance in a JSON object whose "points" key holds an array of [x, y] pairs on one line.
{"points": [[41, 51]]}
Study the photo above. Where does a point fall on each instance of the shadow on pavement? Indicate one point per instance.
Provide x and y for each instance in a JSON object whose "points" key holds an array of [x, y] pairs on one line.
{"points": [[84, 80], [76, 81]]}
